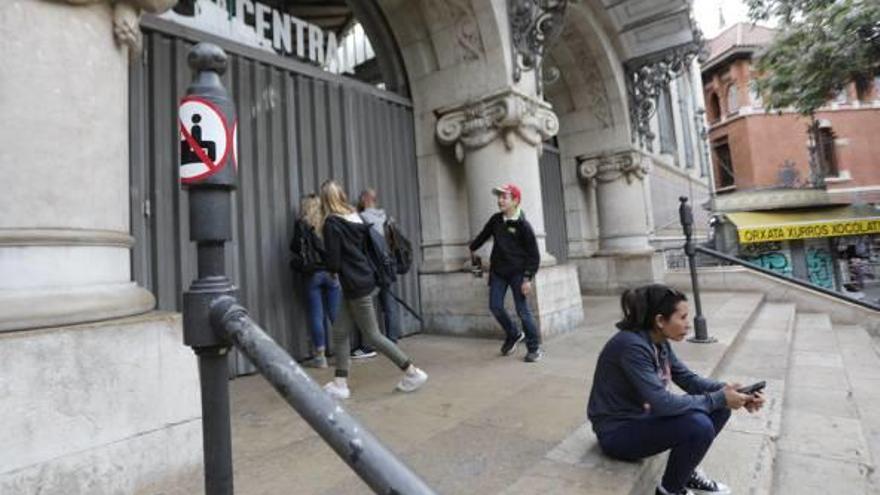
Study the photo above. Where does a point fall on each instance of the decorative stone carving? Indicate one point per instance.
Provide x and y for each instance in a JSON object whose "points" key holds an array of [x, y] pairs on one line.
{"points": [[126, 18], [502, 115], [648, 76], [594, 85], [595, 170], [534, 25], [460, 15], [467, 32]]}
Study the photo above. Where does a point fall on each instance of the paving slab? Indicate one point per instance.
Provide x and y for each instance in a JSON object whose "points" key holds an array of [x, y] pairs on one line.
{"points": [[799, 474], [483, 424]]}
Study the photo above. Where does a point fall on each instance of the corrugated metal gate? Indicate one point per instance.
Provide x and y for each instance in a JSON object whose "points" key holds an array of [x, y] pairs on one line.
{"points": [[554, 203], [297, 127]]}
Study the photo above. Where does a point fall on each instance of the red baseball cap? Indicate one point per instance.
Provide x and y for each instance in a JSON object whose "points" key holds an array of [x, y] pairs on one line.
{"points": [[510, 189]]}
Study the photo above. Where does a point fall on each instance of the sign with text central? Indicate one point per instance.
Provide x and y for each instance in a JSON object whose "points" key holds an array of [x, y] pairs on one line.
{"points": [[255, 24]]}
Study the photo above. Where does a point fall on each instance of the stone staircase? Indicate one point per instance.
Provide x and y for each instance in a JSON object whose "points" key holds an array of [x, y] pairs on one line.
{"points": [[487, 424], [821, 423]]}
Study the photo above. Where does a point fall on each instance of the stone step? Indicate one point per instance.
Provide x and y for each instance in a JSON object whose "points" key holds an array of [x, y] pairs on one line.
{"points": [[743, 455], [831, 429], [577, 466]]}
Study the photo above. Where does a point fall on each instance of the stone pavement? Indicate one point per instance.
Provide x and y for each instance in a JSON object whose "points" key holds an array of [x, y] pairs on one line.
{"points": [[487, 424]]}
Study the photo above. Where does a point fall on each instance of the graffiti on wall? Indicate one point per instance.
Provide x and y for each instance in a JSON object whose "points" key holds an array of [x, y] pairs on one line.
{"points": [[773, 256], [820, 266]]}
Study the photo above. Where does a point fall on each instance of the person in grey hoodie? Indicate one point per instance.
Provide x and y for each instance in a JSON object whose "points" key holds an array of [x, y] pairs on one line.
{"points": [[368, 206], [634, 415]]}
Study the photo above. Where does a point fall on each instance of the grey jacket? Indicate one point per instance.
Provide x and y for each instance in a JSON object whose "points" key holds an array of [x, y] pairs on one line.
{"points": [[376, 218]]}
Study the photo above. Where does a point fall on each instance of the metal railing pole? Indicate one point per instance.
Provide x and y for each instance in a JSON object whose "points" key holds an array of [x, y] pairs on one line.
{"points": [[686, 216], [207, 170], [364, 453]]}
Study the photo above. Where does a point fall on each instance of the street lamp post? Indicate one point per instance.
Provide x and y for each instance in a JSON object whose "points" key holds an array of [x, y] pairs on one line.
{"points": [[686, 216]]}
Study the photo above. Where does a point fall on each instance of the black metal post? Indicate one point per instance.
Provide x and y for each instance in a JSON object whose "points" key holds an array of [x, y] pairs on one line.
{"points": [[686, 216], [364, 453], [207, 170]]}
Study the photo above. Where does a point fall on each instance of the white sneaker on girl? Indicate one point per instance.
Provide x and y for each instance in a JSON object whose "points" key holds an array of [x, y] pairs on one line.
{"points": [[337, 391], [412, 380]]}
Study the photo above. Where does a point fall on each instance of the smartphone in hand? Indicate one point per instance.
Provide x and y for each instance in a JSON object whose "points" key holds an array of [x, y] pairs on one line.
{"points": [[753, 388]]}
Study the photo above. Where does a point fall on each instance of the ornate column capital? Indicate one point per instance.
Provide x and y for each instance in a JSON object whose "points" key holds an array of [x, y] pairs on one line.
{"points": [[505, 115], [127, 17], [629, 165]]}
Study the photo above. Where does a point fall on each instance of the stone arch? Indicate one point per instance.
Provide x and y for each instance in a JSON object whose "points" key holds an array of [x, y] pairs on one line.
{"points": [[454, 52], [590, 99]]}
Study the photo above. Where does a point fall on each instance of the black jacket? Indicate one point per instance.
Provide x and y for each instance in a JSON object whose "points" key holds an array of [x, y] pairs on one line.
{"points": [[515, 249], [305, 239], [344, 247]]}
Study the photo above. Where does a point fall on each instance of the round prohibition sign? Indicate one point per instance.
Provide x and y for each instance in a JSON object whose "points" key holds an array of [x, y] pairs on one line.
{"points": [[204, 139]]}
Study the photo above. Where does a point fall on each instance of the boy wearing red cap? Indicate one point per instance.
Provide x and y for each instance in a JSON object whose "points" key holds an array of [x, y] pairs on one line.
{"points": [[513, 263]]}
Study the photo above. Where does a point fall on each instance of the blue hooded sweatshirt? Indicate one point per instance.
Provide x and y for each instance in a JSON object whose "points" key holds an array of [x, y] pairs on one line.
{"points": [[631, 381]]}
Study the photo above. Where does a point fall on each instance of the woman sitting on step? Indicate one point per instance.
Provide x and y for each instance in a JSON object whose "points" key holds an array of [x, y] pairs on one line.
{"points": [[633, 413]]}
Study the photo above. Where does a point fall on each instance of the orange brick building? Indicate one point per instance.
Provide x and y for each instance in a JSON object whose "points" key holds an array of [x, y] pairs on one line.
{"points": [[752, 149], [762, 177]]}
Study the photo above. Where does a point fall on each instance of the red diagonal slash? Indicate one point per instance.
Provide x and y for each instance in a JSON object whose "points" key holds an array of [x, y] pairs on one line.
{"points": [[191, 141]]}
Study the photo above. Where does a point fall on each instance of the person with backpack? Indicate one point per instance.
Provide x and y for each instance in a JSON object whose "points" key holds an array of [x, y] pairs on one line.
{"points": [[355, 255], [513, 263], [321, 288], [376, 218]]}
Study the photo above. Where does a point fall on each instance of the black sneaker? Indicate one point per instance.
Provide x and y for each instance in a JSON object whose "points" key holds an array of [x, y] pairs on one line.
{"points": [[534, 356], [362, 354], [700, 484], [661, 491], [509, 346]]}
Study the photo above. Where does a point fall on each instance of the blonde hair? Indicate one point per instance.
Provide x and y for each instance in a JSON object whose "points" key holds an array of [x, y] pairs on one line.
{"points": [[310, 212], [333, 199]]}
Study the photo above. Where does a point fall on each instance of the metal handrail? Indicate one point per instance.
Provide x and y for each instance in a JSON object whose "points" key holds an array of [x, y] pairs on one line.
{"points": [[380, 469], [802, 283], [214, 322]]}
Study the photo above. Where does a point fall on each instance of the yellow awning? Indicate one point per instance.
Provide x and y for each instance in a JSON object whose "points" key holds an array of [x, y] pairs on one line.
{"points": [[754, 226]]}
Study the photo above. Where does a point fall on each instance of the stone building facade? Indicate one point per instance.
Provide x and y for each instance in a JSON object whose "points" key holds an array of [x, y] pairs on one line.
{"points": [[96, 377]]}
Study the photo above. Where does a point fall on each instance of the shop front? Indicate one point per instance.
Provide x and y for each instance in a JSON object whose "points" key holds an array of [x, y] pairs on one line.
{"points": [[834, 247]]}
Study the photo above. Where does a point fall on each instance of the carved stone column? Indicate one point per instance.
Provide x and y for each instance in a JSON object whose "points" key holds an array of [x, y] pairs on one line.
{"points": [[64, 232], [625, 257], [618, 180], [498, 139]]}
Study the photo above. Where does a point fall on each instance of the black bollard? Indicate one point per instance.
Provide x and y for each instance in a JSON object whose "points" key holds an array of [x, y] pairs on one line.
{"points": [[207, 170], [686, 216]]}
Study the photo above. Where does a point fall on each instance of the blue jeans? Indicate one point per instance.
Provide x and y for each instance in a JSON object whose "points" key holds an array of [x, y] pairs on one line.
{"points": [[390, 313], [322, 303], [689, 437], [497, 291]]}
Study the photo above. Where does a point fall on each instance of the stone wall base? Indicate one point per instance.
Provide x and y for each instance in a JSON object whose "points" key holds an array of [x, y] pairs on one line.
{"points": [[109, 407], [605, 274], [458, 303]]}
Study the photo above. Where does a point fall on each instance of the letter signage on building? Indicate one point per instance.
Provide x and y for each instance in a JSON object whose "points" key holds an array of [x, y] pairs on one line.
{"points": [[812, 230], [255, 24]]}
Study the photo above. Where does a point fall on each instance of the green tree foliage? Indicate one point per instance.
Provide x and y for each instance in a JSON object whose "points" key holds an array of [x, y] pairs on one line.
{"points": [[822, 46]]}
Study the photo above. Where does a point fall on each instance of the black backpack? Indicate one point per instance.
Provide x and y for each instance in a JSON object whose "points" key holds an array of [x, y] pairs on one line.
{"points": [[380, 259], [304, 251], [399, 246]]}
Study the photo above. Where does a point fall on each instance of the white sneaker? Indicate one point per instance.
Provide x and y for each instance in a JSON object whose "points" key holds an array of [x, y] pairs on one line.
{"points": [[339, 392], [412, 381]]}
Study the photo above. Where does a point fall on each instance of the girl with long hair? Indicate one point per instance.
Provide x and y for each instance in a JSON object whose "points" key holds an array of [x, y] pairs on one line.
{"points": [[633, 413], [345, 236], [321, 287]]}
